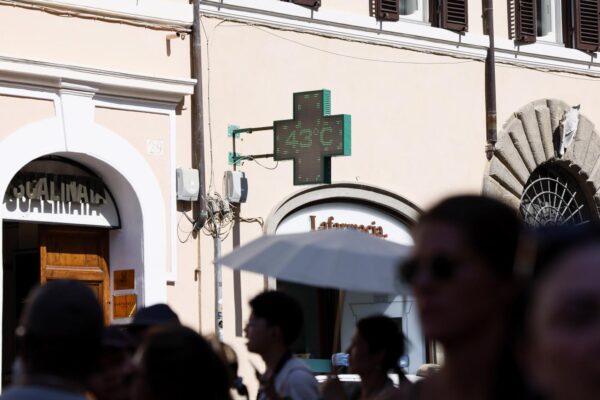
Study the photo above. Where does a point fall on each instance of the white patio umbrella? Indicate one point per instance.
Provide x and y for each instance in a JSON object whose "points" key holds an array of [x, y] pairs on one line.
{"points": [[339, 259]]}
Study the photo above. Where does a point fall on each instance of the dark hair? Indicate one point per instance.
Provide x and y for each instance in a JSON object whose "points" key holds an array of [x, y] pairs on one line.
{"points": [[230, 359], [491, 227], [552, 243], [61, 330], [177, 362], [279, 309], [382, 334], [555, 242]]}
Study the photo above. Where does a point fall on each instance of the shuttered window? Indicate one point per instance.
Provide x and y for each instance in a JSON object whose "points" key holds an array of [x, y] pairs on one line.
{"points": [[587, 26], [522, 20], [314, 4], [385, 10], [580, 22], [512, 19], [567, 25], [454, 15], [434, 15], [449, 14], [531, 20]]}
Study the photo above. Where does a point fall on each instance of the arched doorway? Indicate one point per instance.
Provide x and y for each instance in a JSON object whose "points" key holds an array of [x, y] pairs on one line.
{"points": [[57, 219], [138, 245]]}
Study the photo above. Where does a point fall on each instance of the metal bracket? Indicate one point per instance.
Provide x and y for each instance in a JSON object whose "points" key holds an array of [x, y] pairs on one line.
{"points": [[233, 130], [234, 158], [237, 131]]}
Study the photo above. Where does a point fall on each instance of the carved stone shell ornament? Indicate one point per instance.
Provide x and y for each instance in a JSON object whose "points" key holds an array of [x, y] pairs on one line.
{"points": [[529, 173]]}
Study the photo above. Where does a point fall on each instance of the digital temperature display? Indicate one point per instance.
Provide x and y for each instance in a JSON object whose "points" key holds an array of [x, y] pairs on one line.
{"points": [[312, 137]]}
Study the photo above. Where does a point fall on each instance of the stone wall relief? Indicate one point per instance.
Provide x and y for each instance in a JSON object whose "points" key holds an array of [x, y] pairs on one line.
{"points": [[546, 133]]}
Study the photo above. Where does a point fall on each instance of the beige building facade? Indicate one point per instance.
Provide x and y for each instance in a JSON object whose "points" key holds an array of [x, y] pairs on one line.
{"points": [[101, 91], [94, 100], [416, 94]]}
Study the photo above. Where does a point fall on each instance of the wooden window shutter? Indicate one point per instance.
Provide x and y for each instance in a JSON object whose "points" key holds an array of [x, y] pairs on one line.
{"points": [[511, 6], [314, 4], [385, 10], [587, 26], [567, 23], [434, 12], [525, 21], [454, 15]]}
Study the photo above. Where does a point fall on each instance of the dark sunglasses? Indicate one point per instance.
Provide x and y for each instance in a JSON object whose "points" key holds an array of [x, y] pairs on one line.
{"points": [[441, 267]]}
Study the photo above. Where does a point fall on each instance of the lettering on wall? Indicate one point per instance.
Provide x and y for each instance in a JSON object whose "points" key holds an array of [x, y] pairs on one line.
{"points": [[57, 188], [371, 228]]}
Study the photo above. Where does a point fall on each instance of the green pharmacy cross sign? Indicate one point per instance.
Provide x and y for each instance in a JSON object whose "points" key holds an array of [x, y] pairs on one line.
{"points": [[312, 137]]}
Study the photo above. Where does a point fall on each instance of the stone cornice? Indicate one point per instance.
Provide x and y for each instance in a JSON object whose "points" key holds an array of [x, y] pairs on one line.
{"points": [[105, 82], [161, 13]]}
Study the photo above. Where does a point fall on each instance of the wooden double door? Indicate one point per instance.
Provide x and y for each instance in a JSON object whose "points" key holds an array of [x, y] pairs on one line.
{"points": [[77, 253]]}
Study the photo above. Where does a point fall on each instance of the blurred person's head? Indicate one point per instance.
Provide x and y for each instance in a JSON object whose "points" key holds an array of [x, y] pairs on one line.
{"points": [[562, 322], [149, 318], [115, 374], [377, 345], [60, 331], [275, 322], [230, 359], [461, 269], [227, 354], [176, 363]]}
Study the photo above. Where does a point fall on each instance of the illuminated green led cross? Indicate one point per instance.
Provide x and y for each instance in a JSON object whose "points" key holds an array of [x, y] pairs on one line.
{"points": [[312, 137]]}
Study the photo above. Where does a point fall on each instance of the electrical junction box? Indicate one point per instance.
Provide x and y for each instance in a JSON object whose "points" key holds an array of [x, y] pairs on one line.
{"points": [[188, 184], [235, 186]]}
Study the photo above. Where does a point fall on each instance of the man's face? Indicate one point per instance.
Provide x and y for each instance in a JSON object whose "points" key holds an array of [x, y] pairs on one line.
{"points": [[259, 334]]}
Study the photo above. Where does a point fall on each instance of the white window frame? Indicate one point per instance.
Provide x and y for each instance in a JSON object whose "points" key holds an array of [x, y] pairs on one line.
{"points": [[421, 15], [555, 34]]}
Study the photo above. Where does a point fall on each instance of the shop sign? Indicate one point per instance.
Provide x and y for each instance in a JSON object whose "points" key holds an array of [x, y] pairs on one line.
{"points": [[371, 228], [57, 188], [55, 192], [124, 306], [346, 215]]}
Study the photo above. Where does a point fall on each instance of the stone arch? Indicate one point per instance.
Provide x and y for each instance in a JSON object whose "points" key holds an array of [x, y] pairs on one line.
{"points": [[526, 141], [112, 156]]}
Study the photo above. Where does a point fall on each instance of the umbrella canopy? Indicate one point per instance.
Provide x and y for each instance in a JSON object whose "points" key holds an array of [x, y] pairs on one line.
{"points": [[340, 259]]}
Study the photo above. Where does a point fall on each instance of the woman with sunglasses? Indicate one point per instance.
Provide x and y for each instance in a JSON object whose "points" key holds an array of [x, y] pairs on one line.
{"points": [[375, 350], [561, 342], [461, 273]]}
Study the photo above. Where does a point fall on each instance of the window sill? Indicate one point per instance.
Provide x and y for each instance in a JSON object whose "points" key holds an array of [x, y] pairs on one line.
{"points": [[549, 42]]}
